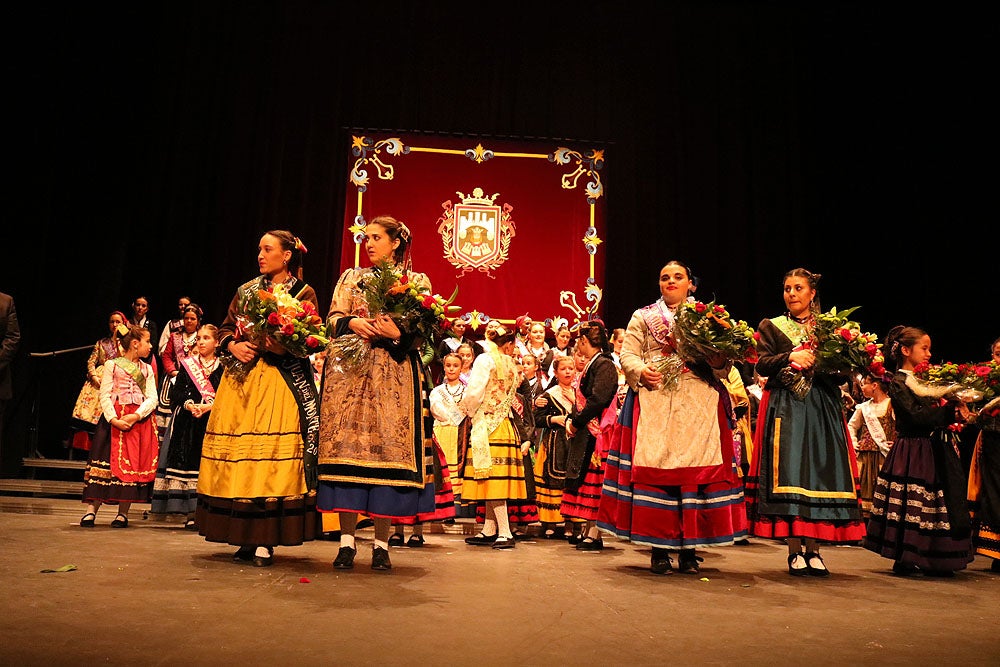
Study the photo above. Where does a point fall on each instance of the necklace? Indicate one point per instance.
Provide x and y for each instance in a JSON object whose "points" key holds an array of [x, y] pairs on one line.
{"points": [[188, 341], [456, 395], [210, 366], [800, 320]]}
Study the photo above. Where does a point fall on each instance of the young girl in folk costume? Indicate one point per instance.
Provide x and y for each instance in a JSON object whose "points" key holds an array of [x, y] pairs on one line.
{"points": [[87, 409], [539, 349], [192, 394], [181, 344], [552, 411], [123, 456], [448, 418], [919, 516], [523, 512], [467, 352], [494, 469], [872, 428], [587, 429]]}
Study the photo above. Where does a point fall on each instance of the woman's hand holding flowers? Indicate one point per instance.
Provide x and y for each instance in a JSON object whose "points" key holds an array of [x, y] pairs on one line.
{"points": [[804, 358], [243, 350]]}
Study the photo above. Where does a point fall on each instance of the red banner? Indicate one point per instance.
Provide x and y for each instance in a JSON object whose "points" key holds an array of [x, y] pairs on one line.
{"points": [[516, 225]]}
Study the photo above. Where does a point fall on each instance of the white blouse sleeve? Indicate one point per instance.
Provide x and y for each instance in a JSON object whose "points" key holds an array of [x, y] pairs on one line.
{"points": [[479, 377]]}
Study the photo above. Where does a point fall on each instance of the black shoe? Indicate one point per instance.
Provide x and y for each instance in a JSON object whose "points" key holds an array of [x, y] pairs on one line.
{"points": [[243, 555], [190, 524], [660, 562], [262, 561], [121, 521], [575, 538], [941, 574], [797, 571], [816, 571], [687, 562], [364, 523], [481, 540], [520, 535], [415, 541], [88, 520], [380, 559], [396, 540], [995, 567], [504, 543], [345, 558], [902, 569], [590, 544]]}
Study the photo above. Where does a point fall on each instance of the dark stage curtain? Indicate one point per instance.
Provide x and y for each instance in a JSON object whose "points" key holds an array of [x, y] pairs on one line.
{"points": [[151, 144]]}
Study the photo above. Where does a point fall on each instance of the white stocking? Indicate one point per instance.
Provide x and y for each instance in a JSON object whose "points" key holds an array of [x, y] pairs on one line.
{"points": [[499, 510]]}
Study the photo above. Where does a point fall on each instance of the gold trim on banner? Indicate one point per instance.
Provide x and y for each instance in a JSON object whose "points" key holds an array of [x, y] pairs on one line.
{"points": [[369, 153]]}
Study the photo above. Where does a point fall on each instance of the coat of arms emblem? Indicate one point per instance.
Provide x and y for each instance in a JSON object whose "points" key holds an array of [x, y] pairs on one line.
{"points": [[476, 233]]}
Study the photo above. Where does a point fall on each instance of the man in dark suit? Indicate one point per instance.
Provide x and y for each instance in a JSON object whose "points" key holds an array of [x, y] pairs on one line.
{"points": [[11, 331]]}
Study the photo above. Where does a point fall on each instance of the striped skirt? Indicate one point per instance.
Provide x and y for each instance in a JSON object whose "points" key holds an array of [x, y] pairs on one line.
{"points": [[251, 484]]}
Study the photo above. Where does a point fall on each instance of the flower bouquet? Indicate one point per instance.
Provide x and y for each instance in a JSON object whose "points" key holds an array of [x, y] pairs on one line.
{"points": [[276, 314], [842, 347], [704, 332], [969, 382], [413, 308]]}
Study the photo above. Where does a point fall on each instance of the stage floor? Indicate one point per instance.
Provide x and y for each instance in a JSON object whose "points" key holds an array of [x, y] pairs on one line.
{"points": [[156, 594]]}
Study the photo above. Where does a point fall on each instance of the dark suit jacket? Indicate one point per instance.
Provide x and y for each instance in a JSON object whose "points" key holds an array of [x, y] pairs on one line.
{"points": [[11, 331]]}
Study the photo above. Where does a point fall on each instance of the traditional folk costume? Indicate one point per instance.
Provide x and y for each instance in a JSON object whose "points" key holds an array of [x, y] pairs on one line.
{"points": [[87, 408], [743, 433], [593, 415], [803, 480], [553, 450], [671, 480], [494, 468], [122, 464], [447, 420], [180, 346], [984, 487], [873, 430], [175, 490], [256, 484], [376, 453], [919, 515]]}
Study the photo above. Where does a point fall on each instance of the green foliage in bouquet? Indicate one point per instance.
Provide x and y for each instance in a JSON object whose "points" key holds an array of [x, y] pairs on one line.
{"points": [[842, 347]]}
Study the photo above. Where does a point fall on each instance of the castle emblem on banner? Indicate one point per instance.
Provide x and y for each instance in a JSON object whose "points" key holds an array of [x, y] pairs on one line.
{"points": [[476, 233]]}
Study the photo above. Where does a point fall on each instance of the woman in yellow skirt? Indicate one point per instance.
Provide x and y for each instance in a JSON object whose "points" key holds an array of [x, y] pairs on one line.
{"points": [[256, 485]]}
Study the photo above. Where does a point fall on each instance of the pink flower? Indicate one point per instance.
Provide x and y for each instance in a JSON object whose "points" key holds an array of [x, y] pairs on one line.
{"points": [[273, 319], [288, 329], [700, 307], [312, 341]]}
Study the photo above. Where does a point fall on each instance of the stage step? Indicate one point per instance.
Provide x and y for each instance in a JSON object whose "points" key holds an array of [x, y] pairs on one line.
{"points": [[67, 464], [44, 487], [47, 487]]}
